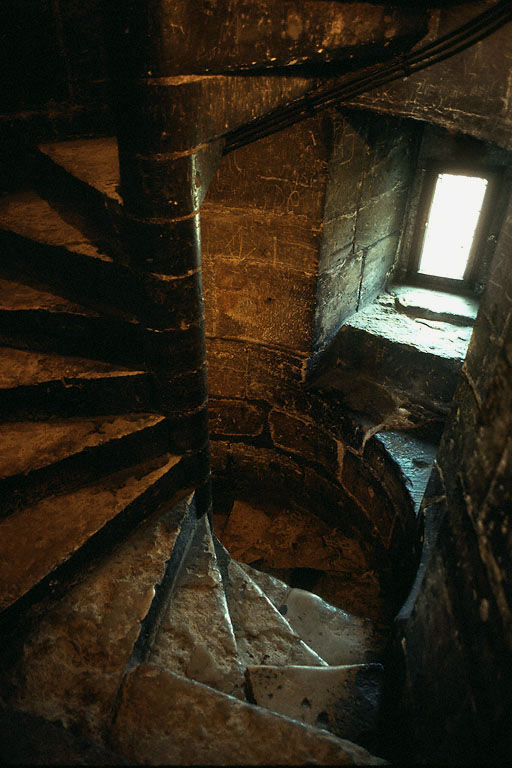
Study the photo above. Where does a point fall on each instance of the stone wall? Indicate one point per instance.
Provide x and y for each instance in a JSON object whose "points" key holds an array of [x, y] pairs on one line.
{"points": [[457, 642], [469, 92], [261, 227], [265, 250], [370, 172]]}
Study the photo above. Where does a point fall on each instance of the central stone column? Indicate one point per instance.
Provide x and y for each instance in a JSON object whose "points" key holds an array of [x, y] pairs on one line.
{"points": [[165, 173]]}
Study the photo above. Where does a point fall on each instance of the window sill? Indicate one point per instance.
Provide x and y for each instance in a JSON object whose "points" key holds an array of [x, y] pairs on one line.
{"points": [[398, 360], [433, 322]]}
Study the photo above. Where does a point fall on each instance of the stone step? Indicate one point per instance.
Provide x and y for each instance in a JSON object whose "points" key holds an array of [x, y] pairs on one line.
{"points": [[53, 246], [195, 638], [36, 318], [262, 634], [83, 175], [275, 589], [42, 244], [62, 525], [36, 385], [344, 699], [69, 663], [39, 458], [337, 636], [165, 719]]}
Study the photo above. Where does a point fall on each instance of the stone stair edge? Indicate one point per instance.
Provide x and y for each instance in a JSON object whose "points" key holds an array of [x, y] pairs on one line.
{"points": [[129, 727], [74, 463], [136, 486]]}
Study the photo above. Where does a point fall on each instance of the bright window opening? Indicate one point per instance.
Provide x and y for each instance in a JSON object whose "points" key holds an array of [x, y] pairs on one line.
{"points": [[451, 225]]}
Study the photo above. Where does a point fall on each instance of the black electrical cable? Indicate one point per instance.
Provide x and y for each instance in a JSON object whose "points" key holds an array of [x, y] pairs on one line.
{"points": [[448, 45]]}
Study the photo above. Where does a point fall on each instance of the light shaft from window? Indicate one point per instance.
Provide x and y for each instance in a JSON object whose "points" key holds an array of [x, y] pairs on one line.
{"points": [[451, 225]]}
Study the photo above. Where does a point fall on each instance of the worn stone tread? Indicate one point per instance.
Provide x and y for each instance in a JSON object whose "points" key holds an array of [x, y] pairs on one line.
{"points": [[41, 458], [339, 637], [196, 638], [30, 216], [73, 658], [61, 524], [21, 367], [37, 385], [47, 442], [165, 719], [275, 589], [344, 699], [16, 296], [36, 317], [93, 161], [262, 634]]}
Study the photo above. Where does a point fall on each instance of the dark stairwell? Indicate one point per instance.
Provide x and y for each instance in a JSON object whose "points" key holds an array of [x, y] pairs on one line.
{"points": [[124, 622]]}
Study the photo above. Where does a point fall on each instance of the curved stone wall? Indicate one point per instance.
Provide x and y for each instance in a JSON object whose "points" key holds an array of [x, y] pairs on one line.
{"points": [[280, 447]]}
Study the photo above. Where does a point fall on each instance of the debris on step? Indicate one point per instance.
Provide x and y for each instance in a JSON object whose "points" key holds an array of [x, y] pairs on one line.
{"points": [[262, 634], [165, 719], [72, 661], [195, 637], [344, 700]]}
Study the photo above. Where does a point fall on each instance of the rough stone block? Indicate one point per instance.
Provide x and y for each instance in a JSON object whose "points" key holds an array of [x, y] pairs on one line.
{"points": [[154, 726], [287, 538], [188, 431], [163, 247], [236, 418], [227, 367], [298, 187], [305, 439], [271, 472], [268, 305], [157, 110], [168, 185], [171, 352], [195, 636], [360, 482], [235, 232], [337, 294], [182, 393], [337, 636], [221, 456], [274, 374], [343, 700], [171, 303], [378, 261], [346, 165], [331, 503]]}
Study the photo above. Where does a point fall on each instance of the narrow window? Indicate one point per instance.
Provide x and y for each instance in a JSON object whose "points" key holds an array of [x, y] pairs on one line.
{"points": [[451, 225]]}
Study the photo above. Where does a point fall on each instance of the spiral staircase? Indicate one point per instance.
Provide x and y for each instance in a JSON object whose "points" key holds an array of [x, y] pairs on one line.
{"points": [[124, 620]]}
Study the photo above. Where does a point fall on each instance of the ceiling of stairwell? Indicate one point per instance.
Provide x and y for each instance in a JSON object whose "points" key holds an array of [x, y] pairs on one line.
{"points": [[56, 53]]}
